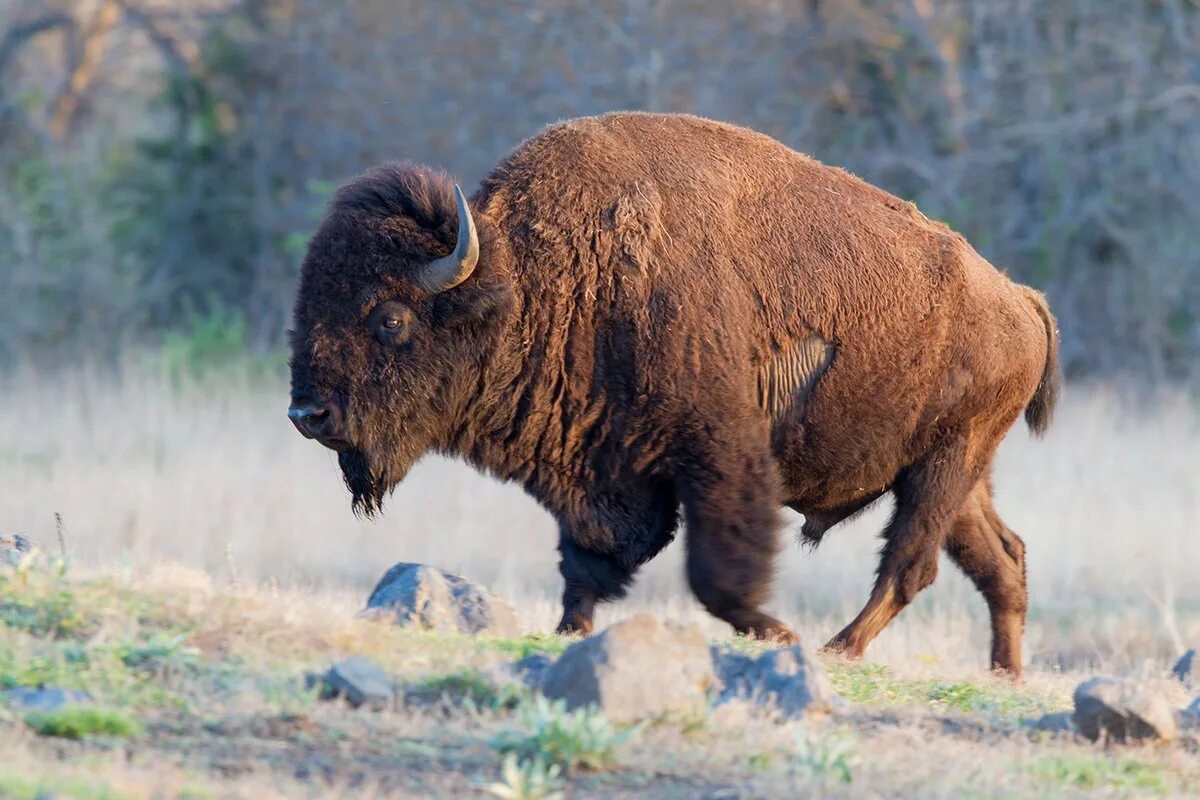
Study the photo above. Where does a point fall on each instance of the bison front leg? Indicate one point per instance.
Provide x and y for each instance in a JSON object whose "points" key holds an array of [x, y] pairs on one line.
{"points": [[729, 491], [928, 495], [588, 578]]}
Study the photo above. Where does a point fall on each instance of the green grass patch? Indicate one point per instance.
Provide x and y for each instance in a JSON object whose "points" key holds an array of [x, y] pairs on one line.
{"points": [[874, 684], [25, 787], [464, 684], [472, 686], [53, 613], [1100, 772], [77, 722], [531, 644], [104, 671], [46, 625]]}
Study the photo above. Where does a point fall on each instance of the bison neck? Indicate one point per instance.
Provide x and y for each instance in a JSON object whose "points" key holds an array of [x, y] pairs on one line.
{"points": [[535, 416]]}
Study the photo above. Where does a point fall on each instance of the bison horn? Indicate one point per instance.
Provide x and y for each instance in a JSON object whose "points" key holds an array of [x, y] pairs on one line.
{"points": [[449, 271]]}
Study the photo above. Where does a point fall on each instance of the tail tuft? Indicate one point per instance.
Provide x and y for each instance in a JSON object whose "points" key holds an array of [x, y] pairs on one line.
{"points": [[1040, 410]]}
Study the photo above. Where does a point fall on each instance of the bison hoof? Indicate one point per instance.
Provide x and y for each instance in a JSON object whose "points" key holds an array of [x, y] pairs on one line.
{"points": [[1011, 673], [784, 636], [574, 627], [842, 649], [770, 630]]}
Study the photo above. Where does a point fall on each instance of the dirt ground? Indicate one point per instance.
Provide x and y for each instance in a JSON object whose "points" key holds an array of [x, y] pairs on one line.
{"points": [[209, 681]]}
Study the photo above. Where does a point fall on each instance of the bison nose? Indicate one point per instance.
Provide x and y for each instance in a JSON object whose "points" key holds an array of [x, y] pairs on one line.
{"points": [[311, 420]]}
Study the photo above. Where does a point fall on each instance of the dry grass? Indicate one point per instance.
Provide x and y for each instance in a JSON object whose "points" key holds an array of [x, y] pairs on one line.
{"points": [[223, 712], [1108, 503]]}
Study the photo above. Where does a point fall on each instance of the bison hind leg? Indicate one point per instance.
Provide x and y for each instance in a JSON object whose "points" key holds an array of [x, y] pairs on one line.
{"points": [[993, 557], [928, 496]]}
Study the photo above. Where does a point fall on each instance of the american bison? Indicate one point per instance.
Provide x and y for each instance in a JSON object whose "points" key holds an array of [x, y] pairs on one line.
{"points": [[642, 313]]}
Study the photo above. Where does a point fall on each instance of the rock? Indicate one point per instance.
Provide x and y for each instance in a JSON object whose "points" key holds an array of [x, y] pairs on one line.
{"points": [[1122, 711], [530, 669], [526, 673], [1060, 722], [416, 594], [788, 682], [1189, 718], [360, 681], [44, 699], [1187, 670], [18, 550], [637, 669]]}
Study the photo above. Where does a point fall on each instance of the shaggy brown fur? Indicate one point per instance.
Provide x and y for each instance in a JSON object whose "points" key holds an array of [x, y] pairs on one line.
{"points": [[670, 312]]}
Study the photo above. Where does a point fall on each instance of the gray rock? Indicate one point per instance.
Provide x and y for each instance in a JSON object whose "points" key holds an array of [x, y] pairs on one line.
{"points": [[1187, 670], [1189, 718], [416, 594], [1122, 711], [1060, 722], [44, 699], [18, 550], [530, 669], [788, 681], [360, 681], [641, 668], [527, 672]]}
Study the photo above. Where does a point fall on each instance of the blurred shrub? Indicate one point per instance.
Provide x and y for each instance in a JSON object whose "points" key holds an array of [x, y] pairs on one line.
{"points": [[1063, 139]]}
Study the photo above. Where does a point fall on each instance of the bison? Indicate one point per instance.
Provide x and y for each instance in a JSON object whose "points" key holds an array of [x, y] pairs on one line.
{"points": [[642, 314]]}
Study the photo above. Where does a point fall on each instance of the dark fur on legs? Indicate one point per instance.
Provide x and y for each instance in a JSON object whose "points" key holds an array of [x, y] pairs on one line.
{"points": [[729, 491]]}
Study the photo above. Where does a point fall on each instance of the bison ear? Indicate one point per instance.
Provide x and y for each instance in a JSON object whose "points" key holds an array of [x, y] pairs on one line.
{"points": [[471, 303]]}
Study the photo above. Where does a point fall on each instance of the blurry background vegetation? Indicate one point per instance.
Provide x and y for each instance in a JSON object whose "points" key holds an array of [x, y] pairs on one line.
{"points": [[163, 161]]}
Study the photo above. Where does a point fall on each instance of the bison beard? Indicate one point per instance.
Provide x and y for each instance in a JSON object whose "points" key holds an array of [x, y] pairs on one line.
{"points": [[662, 312], [367, 486]]}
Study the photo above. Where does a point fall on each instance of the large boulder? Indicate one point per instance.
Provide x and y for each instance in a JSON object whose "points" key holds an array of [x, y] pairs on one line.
{"points": [[1123, 711], [641, 668], [416, 594], [788, 682], [1187, 670]]}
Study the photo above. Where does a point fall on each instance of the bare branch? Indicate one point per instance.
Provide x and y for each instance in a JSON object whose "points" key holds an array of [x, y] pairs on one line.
{"points": [[85, 68], [22, 33]]}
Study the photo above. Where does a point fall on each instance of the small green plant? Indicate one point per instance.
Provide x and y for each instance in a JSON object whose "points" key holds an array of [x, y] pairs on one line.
{"points": [[76, 722], [532, 779], [529, 645], [827, 757], [760, 762], [26, 787], [289, 697], [160, 653], [464, 685], [211, 341], [55, 614], [581, 739], [1088, 772]]}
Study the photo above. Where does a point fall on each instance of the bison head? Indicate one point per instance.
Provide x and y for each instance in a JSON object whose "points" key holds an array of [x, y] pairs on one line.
{"points": [[402, 301]]}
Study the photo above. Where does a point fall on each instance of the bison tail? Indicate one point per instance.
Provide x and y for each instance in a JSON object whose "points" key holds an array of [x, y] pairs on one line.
{"points": [[1040, 410]]}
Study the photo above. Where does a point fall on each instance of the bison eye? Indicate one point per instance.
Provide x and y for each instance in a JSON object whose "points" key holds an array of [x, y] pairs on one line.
{"points": [[390, 320]]}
